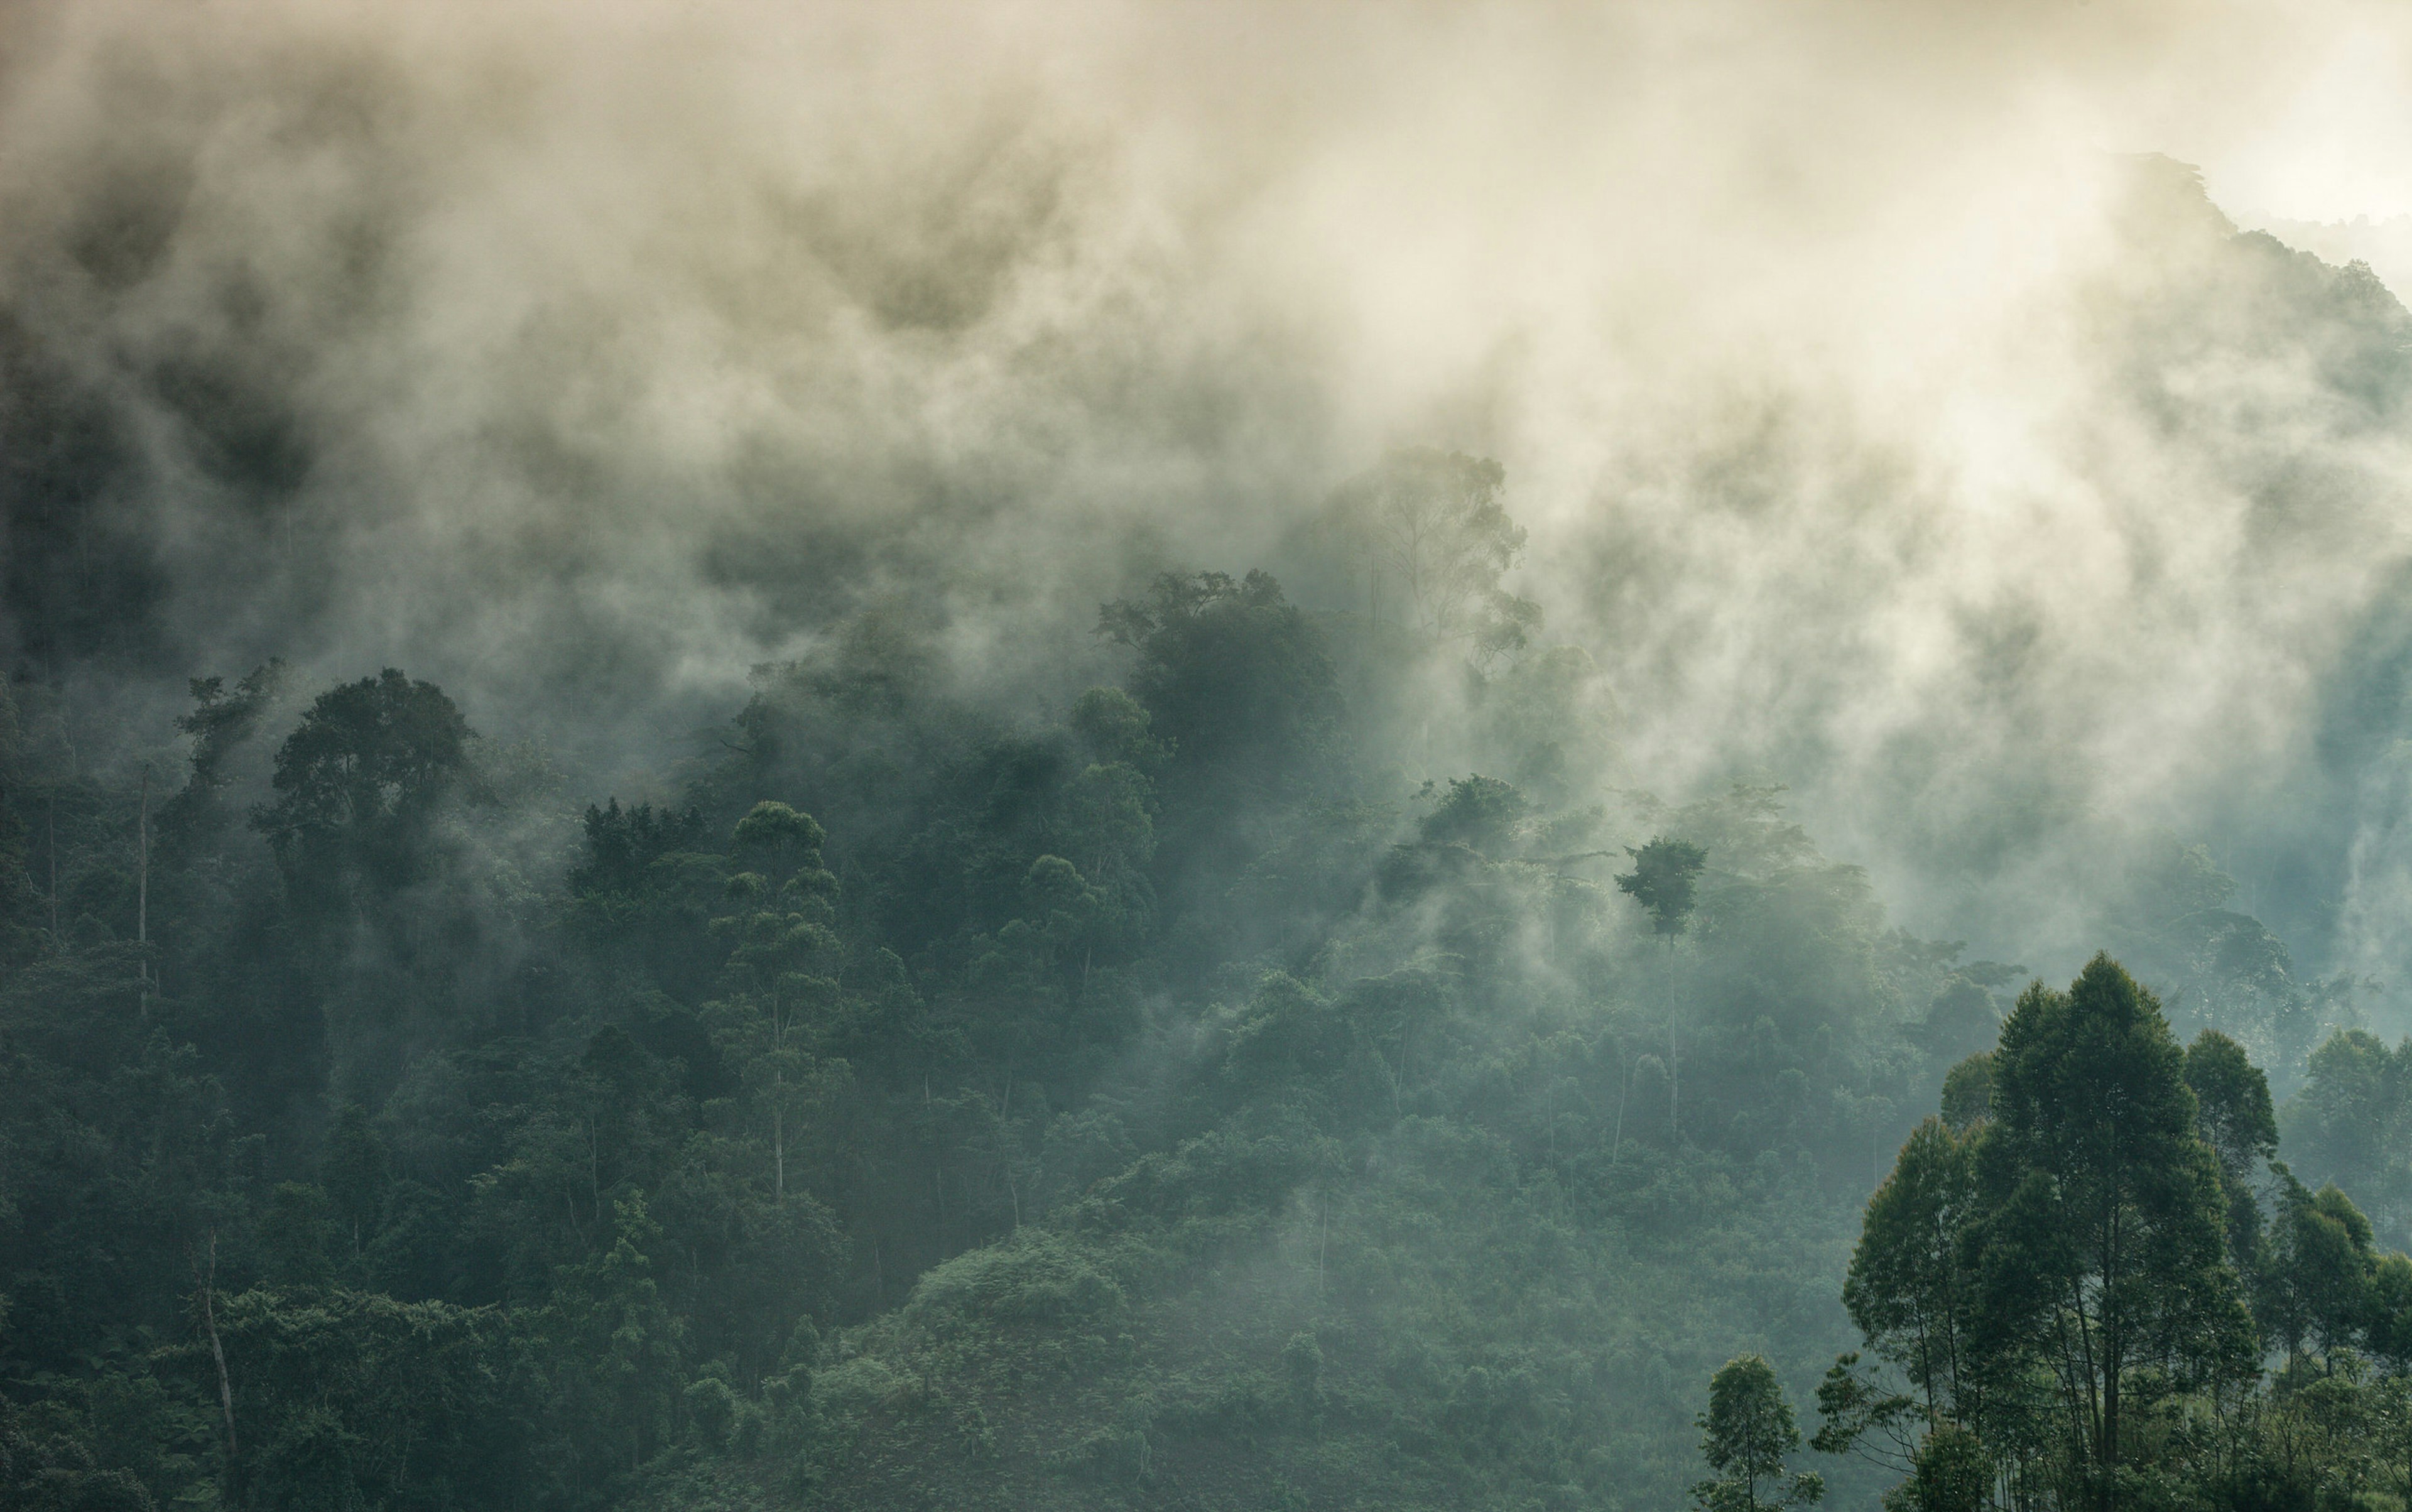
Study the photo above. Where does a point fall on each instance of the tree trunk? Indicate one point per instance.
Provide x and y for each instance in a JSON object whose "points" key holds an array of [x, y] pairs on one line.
{"points": [[142, 887], [218, 1354], [1674, 1081]]}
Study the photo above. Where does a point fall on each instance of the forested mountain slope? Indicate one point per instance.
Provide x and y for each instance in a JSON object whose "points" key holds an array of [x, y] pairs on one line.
{"points": [[1161, 1102], [1309, 1068]]}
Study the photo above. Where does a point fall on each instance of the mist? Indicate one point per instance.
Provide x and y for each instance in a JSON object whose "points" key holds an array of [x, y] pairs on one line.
{"points": [[582, 357], [1959, 452]]}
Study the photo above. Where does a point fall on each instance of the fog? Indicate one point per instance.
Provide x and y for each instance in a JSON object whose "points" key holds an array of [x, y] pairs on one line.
{"points": [[1884, 423]]}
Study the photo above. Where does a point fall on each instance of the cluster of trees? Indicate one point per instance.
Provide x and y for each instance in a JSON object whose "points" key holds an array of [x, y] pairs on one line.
{"points": [[1291, 1072], [2087, 1283]]}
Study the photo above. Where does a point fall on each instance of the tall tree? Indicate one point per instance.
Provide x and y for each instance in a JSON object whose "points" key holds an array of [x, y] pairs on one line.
{"points": [[2099, 1247], [1238, 688], [782, 957], [358, 781], [1745, 1435], [2232, 1112], [2315, 1290], [1434, 533], [1665, 877], [1908, 1288]]}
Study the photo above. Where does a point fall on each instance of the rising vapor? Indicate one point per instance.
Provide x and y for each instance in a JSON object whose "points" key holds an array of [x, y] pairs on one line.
{"points": [[1866, 396]]}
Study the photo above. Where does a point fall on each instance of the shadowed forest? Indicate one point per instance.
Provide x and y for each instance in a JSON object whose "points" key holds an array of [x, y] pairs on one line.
{"points": [[877, 847], [1159, 1099]]}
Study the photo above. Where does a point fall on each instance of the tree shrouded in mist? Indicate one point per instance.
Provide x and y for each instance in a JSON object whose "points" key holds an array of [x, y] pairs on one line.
{"points": [[1664, 880], [358, 784], [1434, 534]]}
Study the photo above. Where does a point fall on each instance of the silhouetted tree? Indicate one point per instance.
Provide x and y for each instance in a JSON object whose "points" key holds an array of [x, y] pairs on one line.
{"points": [[1666, 874]]}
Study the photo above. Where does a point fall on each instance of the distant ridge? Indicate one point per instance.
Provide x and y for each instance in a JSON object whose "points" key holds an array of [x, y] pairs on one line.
{"points": [[2384, 245]]}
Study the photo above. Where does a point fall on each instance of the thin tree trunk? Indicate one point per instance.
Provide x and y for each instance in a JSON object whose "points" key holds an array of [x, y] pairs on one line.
{"points": [[1549, 1116], [937, 1159], [1674, 1081], [142, 887], [210, 1320]]}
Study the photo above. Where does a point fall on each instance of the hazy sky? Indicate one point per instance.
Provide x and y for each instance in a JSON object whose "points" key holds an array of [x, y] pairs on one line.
{"points": [[2330, 139]]}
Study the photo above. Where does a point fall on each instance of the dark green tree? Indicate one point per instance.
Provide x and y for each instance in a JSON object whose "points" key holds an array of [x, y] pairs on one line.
{"points": [[360, 781], [2315, 1290], [1665, 876], [2233, 1114], [1908, 1289], [1745, 1436], [1235, 682], [2099, 1244], [1953, 1472], [1240, 692], [614, 1354], [1479, 812], [2388, 1315], [220, 724], [781, 964], [1968, 1092], [2350, 1121]]}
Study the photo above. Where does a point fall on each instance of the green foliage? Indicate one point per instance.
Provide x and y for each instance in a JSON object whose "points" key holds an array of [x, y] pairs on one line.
{"points": [[1968, 1092], [1664, 876], [354, 1177], [1910, 1290], [1479, 812], [1746, 1434], [42, 1471], [926, 1101], [1951, 1473], [2055, 1273], [359, 781], [1115, 727], [2316, 1283], [612, 1353], [1236, 683], [1034, 1278], [2232, 1110], [354, 1399], [2350, 1122], [2098, 1239]]}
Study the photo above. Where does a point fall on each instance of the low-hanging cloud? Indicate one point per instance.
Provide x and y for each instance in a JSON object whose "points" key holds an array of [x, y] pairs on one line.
{"points": [[1881, 423]]}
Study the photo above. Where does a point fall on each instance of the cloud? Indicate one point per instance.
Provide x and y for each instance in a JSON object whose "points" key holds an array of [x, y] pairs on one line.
{"points": [[1875, 426]]}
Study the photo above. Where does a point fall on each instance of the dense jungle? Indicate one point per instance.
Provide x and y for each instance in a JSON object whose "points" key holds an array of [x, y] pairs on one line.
{"points": [[1067, 760], [1162, 1098]]}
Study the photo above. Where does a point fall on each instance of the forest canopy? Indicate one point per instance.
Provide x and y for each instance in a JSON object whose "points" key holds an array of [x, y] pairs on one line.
{"points": [[804, 758], [1152, 1097]]}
